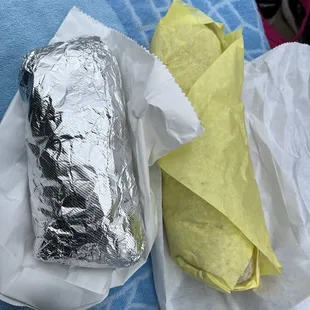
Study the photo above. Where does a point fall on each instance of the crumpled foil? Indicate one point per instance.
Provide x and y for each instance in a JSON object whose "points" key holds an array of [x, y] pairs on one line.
{"points": [[84, 196]]}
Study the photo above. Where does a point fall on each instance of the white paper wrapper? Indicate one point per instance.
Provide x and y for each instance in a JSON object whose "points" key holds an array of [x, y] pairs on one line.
{"points": [[161, 119], [277, 110]]}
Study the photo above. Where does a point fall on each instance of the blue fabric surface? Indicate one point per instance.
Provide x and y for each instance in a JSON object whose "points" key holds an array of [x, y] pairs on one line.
{"points": [[25, 25]]}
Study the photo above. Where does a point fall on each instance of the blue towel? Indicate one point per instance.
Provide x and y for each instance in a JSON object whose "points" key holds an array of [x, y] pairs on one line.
{"points": [[25, 25]]}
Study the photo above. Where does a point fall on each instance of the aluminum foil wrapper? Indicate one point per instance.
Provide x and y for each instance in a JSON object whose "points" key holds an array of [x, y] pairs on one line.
{"points": [[84, 196]]}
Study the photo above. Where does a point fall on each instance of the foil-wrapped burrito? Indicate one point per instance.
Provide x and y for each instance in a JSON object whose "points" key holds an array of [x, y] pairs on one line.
{"points": [[84, 196]]}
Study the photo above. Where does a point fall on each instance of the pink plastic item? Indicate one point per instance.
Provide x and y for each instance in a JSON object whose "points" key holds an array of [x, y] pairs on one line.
{"points": [[274, 38]]}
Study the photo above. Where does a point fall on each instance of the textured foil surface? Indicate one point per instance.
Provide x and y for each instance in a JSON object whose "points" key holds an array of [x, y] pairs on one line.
{"points": [[84, 196]]}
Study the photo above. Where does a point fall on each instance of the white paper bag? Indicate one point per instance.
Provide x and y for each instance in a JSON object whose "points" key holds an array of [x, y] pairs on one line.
{"points": [[161, 118], [276, 96]]}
